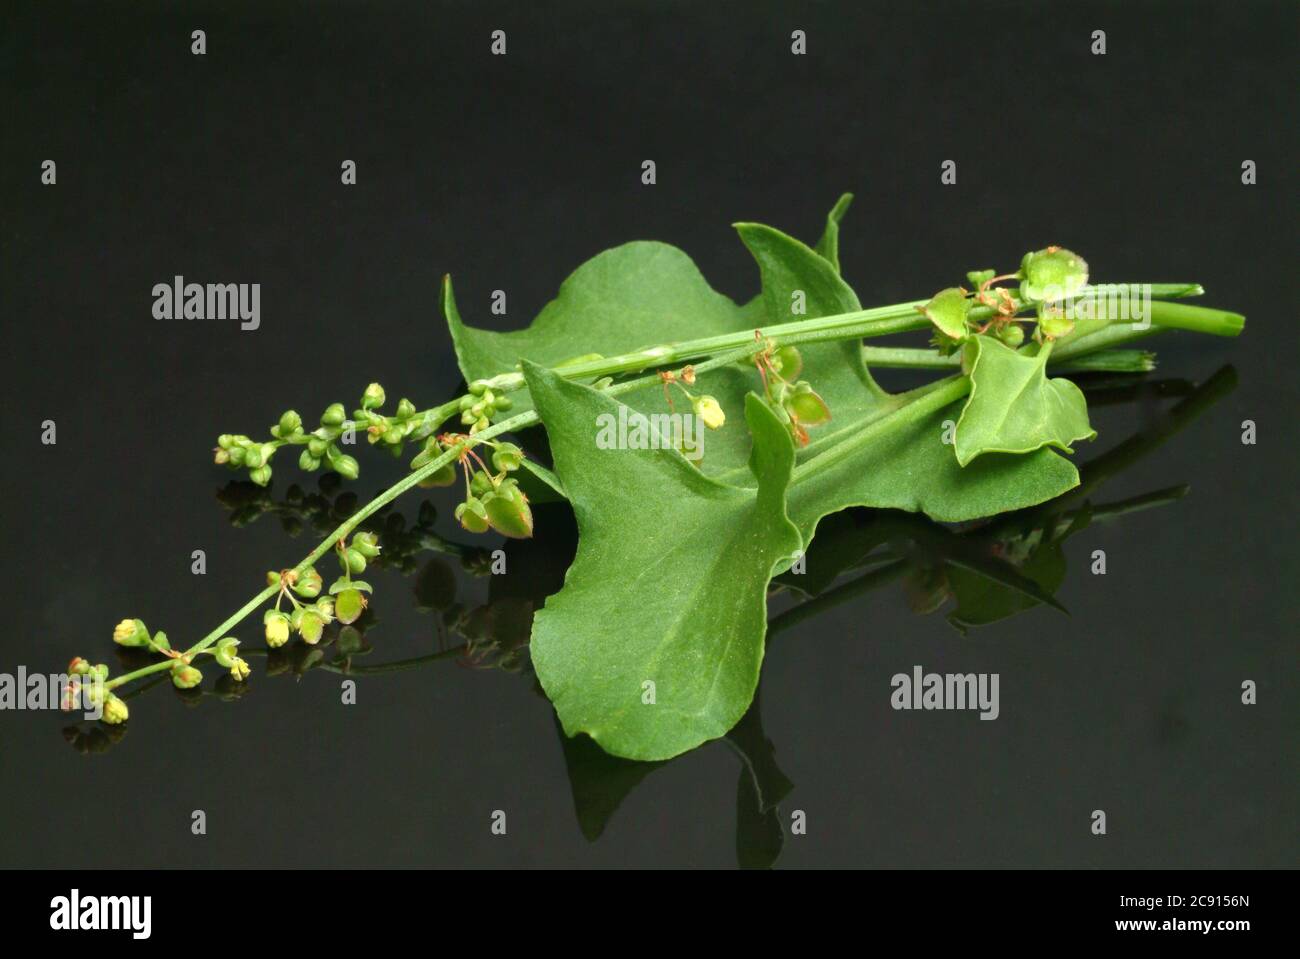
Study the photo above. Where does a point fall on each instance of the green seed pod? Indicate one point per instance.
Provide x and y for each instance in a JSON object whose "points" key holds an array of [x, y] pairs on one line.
{"points": [[1052, 274], [373, 397], [508, 511], [787, 362], [1052, 323], [806, 406], [1012, 335], [405, 409], [348, 606], [160, 641], [310, 627], [185, 676], [356, 561], [977, 278], [334, 415], [224, 652], [309, 583], [507, 457], [261, 476], [445, 475], [367, 544], [290, 421], [948, 310], [308, 462], [472, 515]]}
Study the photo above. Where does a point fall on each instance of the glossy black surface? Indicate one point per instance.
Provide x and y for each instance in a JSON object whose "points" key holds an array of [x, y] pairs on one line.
{"points": [[508, 173]]}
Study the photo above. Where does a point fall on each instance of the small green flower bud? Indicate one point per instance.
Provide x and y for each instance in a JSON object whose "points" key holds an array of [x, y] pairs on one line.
{"points": [[307, 462], [480, 424], [78, 667], [185, 676], [367, 544], [472, 515], [465, 402], [373, 397], [356, 561], [507, 457], [977, 278], [99, 671], [324, 608], [346, 466], [224, 651], [468, 417], [131, 632], [503, 403], [289, 422], [405, 409], [334, 415], [277, 628], [272, 578], [309, 583], [115, 711], [392, 435], [1012, 335], [261, 476], [316, 446], [236, 456], [220, 457], [224, 441], [478, 387]]}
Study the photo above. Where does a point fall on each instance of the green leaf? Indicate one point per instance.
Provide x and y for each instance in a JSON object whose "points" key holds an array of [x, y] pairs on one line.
{"points": [[1014, 408], [703, 553], [633, 296], [828, 247]]}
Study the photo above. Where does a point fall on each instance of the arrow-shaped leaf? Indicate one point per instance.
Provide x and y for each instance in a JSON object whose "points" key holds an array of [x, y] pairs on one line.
{"points": [[668, 586]]}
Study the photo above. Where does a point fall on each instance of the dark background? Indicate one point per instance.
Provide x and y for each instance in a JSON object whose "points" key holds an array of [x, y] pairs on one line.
{"points": [[510, 171]]}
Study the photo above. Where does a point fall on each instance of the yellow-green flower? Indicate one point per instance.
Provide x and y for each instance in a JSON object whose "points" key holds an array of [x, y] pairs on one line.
{"points": [[115, 711], [131, 632], [708, 409], [277, 630], [239, 670]]}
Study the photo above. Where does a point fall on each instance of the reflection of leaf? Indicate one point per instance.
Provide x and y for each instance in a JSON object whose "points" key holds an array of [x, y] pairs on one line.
{"points": [[692, 622], [600, 782], [1014, 408]]}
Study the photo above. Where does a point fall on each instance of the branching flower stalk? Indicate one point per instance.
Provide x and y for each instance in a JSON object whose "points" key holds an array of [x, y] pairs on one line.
{"points": [[967, 325]]}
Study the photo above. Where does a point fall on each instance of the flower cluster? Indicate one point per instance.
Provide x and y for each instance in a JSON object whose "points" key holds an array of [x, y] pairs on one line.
{"points": [[336, 429], [493, 499], [796, 403], [1046, 277]]}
